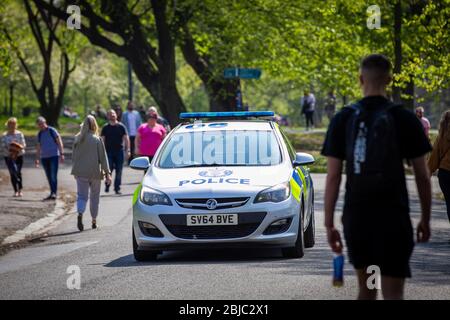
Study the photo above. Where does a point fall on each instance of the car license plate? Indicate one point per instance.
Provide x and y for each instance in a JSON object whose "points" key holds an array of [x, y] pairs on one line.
{"points": [[212, 219]]}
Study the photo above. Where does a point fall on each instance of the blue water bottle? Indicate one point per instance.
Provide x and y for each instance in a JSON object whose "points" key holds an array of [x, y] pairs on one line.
{"points": [[338, 270]]}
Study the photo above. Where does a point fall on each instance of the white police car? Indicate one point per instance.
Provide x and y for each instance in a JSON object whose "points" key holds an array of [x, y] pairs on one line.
{"points": [[226, 179]]}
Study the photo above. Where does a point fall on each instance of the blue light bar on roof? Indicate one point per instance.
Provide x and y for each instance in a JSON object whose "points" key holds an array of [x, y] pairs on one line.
{"points": [[232, 114]]}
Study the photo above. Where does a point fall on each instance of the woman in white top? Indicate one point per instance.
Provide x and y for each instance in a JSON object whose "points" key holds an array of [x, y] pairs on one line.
{"points": [[13, 147]]}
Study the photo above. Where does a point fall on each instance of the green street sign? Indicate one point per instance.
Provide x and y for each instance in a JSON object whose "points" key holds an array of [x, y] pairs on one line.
{"points": [[243, 73]]}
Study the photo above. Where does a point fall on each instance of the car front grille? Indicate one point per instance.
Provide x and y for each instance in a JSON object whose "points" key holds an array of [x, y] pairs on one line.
{"points": [[222, 203], [248, 222]]}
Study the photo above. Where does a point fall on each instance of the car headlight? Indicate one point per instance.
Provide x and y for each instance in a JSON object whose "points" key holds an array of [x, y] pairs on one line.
{"points": [[276, 193], [151, 197]]}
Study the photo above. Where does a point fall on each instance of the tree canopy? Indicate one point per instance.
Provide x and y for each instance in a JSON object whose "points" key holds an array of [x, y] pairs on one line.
{"points": [[179, 49]]}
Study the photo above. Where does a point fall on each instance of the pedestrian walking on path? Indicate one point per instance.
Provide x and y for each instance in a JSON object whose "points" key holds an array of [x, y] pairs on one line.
{"points": [[132, 120], [330, 105], [373, 137], [440, 158], [149, 137], [161, 120], [89, 166], [13, 146], [117, 144], [308, 107], [425, 122], [49, 152]]}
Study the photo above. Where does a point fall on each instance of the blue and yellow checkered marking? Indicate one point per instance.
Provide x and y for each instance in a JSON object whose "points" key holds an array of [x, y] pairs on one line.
{"points": [[136, 193], [297, 182]]}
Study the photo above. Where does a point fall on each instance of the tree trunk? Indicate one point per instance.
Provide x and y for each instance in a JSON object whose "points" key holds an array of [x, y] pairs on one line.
{"points": [[408, 102], [5, 106], [11, 99], [344, 100], [171, 103], [155, 68], [222, 94], [51, 115], [164, 92], [130, 82], [396, 90], [43, 29]]}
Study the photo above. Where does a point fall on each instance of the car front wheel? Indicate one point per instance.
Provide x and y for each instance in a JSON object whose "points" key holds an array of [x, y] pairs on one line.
{"points": [[310, 233], [298, 250], [141, 255]]}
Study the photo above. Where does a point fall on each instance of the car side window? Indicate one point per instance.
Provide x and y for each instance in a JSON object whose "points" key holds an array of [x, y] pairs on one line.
{"points": [[289, 146]]}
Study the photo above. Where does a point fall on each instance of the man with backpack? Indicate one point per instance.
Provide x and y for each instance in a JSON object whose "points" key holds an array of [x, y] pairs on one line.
{"points": [[49, 152], [373, 137]]}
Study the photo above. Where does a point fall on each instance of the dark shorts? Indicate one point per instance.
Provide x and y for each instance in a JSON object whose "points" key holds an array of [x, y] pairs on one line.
{"points": [[388, 245]]}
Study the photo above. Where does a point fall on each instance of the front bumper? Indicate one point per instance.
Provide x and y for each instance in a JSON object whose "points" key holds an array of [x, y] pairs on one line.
{"points": [[254, 219]]}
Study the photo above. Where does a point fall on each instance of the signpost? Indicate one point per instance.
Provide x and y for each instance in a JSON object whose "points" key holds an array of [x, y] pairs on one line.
{"points": [[241, 73]]}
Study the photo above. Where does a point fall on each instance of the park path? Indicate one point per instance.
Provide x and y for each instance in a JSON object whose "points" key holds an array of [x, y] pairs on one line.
{"points": [[108, 269]]}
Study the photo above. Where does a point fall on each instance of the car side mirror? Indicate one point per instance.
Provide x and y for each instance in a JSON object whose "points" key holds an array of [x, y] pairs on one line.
{"points": [[140, 163], [303, 159]]}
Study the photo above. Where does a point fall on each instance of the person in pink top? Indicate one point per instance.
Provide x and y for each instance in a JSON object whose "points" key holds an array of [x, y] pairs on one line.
{"points": [[425, 123], [149, 136]]}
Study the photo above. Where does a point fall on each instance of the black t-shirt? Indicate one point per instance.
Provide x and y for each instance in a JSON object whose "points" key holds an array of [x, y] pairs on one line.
{"points": [[412, 143], [114, 136]]}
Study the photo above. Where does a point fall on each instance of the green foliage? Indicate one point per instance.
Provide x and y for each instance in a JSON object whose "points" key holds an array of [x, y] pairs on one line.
{"points": [[310, 143], [298, 44], [67, 126]]}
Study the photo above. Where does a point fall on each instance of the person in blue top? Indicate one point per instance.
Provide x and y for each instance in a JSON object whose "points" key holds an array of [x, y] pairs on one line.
{"points": [[131, 119], [49, 152]]}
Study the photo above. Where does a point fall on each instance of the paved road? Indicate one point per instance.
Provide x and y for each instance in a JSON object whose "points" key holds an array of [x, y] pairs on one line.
{"points": [[108, 269]]}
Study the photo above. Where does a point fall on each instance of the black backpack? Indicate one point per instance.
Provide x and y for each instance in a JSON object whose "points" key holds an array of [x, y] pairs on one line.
{"points": [[372, 151], [306, 105]]}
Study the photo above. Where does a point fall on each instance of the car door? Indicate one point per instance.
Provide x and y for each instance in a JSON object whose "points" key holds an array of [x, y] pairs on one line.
{"points": [[305, 176]]}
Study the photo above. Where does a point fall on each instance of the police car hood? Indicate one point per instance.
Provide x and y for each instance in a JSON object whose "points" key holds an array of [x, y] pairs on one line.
{"points": [[200, 179]]}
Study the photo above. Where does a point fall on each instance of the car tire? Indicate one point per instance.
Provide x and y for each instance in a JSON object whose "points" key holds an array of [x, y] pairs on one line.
{"points": [[298, 250], [310, 232], [141, 255]]}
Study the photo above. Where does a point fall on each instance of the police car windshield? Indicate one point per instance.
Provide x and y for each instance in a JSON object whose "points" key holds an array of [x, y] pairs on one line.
{"points": [[221, 148]]}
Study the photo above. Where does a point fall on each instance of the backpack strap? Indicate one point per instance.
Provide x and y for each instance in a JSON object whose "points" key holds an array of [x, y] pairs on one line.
{"points": [[53, 134]]}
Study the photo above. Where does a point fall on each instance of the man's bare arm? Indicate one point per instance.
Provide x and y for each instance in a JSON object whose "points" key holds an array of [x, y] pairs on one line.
{"points": [[137, 143], [60, 147], [38, 154], [126, 142], [127, 146], [423, 183], [331, 195], [334, 169]]}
